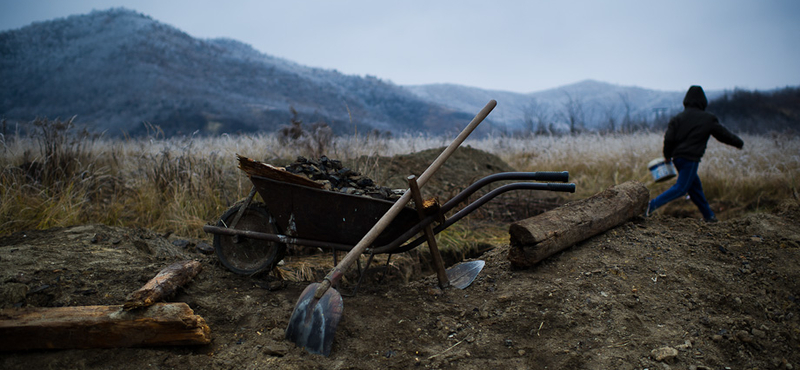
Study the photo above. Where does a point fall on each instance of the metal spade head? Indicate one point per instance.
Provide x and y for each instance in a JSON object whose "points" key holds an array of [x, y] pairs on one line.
{"points": [[313, 322], [462, 274]]}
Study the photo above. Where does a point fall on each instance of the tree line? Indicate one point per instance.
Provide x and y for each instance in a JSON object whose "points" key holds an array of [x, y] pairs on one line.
{"points": [[758, 112], [744, 111]]}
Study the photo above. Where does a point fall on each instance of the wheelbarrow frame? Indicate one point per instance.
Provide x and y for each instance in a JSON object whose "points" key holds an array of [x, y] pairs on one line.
{"points": [[306, 215]]}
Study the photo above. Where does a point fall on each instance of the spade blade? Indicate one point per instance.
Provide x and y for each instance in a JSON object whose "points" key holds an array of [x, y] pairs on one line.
{"points": [[462, 274], [313, 322]]}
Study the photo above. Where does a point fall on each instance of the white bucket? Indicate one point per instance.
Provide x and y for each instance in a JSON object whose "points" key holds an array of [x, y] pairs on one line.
{"points": [[661, 171]]}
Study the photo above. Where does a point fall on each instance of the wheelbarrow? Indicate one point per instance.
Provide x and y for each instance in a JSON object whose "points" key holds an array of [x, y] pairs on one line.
{"points": [[295, 212]]}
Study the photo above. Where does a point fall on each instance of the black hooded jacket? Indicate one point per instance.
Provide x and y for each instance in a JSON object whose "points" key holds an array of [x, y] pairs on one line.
{"points": [[688, 132]]}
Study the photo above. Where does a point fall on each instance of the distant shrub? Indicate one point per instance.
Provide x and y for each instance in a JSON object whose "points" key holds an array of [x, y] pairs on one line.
{"points": [[315, 141]]}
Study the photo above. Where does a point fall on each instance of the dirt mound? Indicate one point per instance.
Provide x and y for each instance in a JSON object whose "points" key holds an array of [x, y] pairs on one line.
{"points": [[465, 166], [79, 265]]}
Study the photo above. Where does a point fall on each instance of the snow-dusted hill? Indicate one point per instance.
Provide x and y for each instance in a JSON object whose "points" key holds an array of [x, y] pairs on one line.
{"points": [[118, 69]]}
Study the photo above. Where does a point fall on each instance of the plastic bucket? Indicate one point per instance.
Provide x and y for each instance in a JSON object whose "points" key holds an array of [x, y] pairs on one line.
{"points": [[661, 171]]}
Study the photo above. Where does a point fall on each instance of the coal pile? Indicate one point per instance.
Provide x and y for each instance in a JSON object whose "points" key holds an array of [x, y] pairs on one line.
{"points": [[333, 176]]}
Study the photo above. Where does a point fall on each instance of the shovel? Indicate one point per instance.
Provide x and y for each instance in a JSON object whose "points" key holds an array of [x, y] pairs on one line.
{"points": [[319, 308]]}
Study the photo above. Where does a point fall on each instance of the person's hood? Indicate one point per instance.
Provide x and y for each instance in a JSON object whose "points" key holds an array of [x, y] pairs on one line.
{"points": [[695, 98]]}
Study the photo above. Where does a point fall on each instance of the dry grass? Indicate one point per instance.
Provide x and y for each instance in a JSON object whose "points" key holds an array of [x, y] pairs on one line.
{"points": [[58, 177], [753, 179]]}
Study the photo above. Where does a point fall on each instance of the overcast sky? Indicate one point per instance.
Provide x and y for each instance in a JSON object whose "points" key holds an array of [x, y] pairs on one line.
{"points": [[520, 46]]}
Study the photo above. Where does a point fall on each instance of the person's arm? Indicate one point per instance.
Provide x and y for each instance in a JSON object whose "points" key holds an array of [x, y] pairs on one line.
{"points": [[722, 134], [669, 141]]}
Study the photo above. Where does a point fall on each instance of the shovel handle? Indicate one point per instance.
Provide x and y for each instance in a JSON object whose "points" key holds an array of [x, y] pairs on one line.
{"points": [[387, 218]]}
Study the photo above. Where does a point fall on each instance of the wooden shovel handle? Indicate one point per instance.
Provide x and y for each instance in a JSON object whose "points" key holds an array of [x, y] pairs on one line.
{"points": [[387, 218]]}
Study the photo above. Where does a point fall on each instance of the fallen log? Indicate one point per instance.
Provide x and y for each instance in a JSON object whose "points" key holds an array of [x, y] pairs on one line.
{"points": [[164, 284], [101, 327], [541, 236]]}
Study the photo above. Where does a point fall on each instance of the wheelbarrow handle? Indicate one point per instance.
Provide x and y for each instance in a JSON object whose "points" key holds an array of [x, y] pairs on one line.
{"points": [[561, 176], [566, 188]]}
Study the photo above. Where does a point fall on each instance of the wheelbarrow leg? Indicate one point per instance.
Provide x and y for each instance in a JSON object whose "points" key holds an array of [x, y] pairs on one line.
{"points": [[438, 264], [385, 269], [364, 272], [335, 257], [239, 214]]}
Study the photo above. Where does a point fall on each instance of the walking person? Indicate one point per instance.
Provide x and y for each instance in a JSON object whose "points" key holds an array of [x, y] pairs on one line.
{"points": [[684, 144]]}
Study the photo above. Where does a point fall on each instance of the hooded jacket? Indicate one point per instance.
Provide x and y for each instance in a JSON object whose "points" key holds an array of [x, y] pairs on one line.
{"points": [[688, 132]]}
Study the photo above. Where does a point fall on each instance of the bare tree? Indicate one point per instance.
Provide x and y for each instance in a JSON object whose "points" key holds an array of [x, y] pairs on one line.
{"points": [[610, 117], [627, 124], [661, 118], [537, 118], [574, 114], [527, 115]]}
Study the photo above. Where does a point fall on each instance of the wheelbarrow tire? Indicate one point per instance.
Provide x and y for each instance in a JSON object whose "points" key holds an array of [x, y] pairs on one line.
{"points": [[247, 256]]}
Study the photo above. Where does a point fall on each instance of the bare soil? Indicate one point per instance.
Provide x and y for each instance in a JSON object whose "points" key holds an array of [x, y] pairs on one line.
{"points": [[721, 295], [710, 296]]}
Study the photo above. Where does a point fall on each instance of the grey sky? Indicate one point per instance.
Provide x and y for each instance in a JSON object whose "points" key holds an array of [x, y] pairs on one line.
{"points": [[520, 46]]}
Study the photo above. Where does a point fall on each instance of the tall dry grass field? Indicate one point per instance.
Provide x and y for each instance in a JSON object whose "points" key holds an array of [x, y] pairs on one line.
{"points": [[760, 175], [57, 176]]}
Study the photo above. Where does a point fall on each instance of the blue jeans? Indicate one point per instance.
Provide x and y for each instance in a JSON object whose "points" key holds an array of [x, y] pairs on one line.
{"points": [[688, 182]]}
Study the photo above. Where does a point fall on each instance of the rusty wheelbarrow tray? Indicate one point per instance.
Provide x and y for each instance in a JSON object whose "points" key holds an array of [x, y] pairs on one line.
{"points": [[299, 214]]}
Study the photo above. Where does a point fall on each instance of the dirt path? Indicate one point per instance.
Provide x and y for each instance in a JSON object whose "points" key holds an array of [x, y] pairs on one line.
{"points": [[714, 295]]}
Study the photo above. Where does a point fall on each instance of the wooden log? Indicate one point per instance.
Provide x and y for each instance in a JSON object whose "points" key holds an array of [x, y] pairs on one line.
{"points": [[101, 327], [536, 238], [164, 284]]}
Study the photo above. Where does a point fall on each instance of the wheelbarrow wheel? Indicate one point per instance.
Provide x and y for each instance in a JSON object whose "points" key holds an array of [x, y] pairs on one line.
{"points": [[244, 255]]}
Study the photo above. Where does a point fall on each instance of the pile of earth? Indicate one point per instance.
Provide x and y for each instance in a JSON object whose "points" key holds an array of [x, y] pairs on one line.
{"points": [[466, 166]]}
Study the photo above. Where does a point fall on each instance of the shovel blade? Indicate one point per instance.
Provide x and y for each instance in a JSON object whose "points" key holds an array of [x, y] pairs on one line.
{"points": [[313, 322], [462, 274]]}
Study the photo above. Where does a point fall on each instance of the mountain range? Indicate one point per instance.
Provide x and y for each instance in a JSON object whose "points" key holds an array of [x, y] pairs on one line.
{"points": [[119, 71]]}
